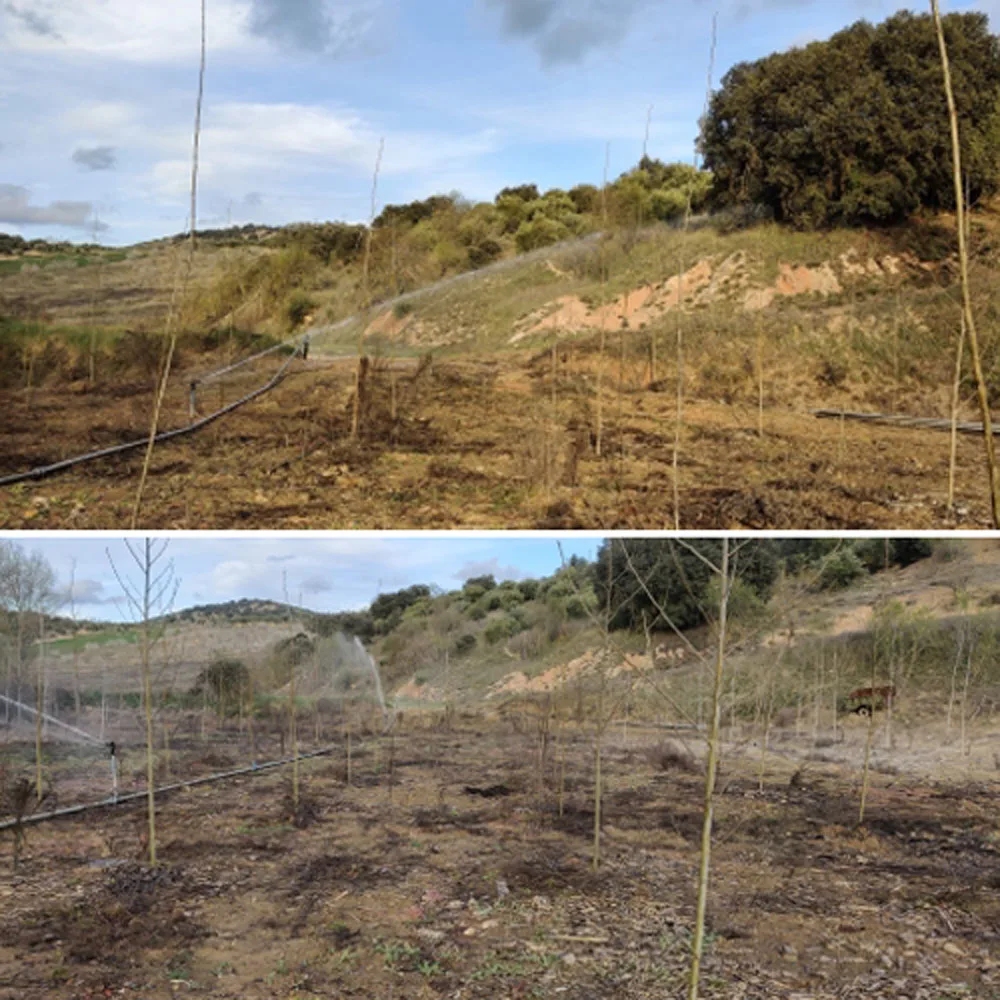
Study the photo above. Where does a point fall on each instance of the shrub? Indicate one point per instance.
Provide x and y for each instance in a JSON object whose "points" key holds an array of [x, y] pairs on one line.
{"points": [[503, 627], [226, 681], [298, 308], [667, 204], [840, 570], [540, 232], [463, 644]]}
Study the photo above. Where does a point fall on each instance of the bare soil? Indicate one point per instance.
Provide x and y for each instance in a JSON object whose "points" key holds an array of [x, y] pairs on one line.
{"points": [[478, 444], [452, 874]]}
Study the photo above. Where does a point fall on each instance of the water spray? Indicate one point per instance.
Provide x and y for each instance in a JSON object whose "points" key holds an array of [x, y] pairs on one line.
{"points": [[369, 661], [93, 740]]}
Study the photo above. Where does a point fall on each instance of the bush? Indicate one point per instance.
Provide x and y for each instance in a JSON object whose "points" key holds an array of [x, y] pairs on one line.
{"points": [[226, 682], [667, 204], [840, 570], [540, 232], [298, 308], [463, 644], [504, 627]]}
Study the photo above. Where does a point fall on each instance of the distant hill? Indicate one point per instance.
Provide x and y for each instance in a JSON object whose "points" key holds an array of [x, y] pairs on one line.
{"points": [[243, 610]]}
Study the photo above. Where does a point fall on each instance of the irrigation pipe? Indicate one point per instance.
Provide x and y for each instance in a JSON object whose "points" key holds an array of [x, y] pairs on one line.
{"points": [[176, 786], [901, 420], [48, 470]]}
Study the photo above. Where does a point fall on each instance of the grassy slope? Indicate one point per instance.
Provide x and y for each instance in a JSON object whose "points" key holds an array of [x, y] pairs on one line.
{"points": [[881, 342], [822, 625]]}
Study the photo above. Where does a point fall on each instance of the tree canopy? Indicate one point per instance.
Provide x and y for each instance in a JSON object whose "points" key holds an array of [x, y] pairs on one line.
{"points": [[854, 130], [676, 577]]}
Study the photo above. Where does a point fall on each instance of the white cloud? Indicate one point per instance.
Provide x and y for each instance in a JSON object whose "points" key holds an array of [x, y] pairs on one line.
{"points": [[138, 32], [263, 146], [158, 32], [16, 209], [488, 567], [589, 118], [102, 119]]}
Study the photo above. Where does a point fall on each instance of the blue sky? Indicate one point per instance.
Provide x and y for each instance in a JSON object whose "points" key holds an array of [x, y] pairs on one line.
{"points": [[325, 573], [97, 97]]}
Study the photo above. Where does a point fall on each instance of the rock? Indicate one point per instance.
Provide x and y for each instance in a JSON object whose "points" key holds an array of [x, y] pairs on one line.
{"points": [[431, 936]]}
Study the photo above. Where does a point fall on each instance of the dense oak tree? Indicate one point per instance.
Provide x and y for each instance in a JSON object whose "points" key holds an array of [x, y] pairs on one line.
{"points": [[854, 130]]}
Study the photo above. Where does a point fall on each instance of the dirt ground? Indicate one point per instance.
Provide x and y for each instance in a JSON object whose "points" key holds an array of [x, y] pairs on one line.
{"points": [[448, 873], [477, 444]]}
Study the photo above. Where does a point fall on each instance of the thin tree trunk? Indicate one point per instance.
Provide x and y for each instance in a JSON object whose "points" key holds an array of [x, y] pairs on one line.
{"points": [[963, 255], [869, 740], [966, 746], [294, 736], [604, 285], [597, 787], [955, 402], [172, 315], [562, 769], [679, 412], [147, 697], [760, 380], [367, 293], [39, 706], [959, 649], [711, 772]]}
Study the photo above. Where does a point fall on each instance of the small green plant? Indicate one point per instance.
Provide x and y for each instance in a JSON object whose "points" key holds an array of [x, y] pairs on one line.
{"points": [[395, 953], [179, 966], [345, 957]]}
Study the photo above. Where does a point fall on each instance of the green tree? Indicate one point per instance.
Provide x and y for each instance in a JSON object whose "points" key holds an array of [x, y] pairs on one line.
{"points": [[676, 575], [854, 130]]}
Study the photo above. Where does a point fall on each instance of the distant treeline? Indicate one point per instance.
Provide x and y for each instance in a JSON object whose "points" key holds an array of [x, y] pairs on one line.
{"points": [[17, 246], [677, 575]]}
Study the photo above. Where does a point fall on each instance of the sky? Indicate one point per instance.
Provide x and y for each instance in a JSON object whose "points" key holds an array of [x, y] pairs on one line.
{"points": [[320, 572], [97, 100]]}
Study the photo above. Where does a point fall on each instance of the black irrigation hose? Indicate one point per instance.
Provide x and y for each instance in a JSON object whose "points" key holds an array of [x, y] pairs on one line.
{"points": [[136, 796], [901, 420], [47, 470]]}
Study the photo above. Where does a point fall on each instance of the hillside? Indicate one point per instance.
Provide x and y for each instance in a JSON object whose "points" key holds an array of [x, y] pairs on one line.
{"points": [[499, 430], [826, 616]]}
